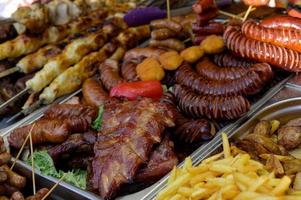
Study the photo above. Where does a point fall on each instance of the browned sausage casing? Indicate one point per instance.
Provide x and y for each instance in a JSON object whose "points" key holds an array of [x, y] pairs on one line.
{"points": [[4, 158], [242, 46], [249, 84], [162, 34], [17, 196], [39, 195], [109, 74], [54, 131], [171, 43], [128, 71], [94, 93], [205, 17], [202, 5], [14, 179], [165, 23], [210, 71], [282, 22], [290, 39], [210, 106], [229, 60], [138, 54], [211, 28]]}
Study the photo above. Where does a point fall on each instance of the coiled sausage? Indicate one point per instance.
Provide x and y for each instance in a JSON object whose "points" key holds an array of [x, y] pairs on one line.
{"points": [[286, 59], [210, 71], [282, 22], [290, 39], [229, 60], [109, 74], [210, 106], [94, 93], [249, 84]]}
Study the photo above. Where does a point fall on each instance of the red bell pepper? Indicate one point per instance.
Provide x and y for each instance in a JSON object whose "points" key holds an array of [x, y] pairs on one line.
{"points": [[294, 13], [150, 89]]}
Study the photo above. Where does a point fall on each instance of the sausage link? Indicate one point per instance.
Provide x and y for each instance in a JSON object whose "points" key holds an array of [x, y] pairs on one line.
{"points": [[109, 74], [286, 59], [211, 28], [128, 71], [94, 93], [290, 39], [212, 107], [202, 5], [210, 71], [39, 195], [14, 179], [172, 43], [186, 129], [17, 196], [162, 34], [282, 22], [229, 60], [205, 17], [165, 23], [198, 39], [138, 54], [4, 158], [249, 84]]}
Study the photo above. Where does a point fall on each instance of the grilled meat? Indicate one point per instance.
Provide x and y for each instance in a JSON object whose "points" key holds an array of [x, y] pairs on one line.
{"points": [[120, 154]]}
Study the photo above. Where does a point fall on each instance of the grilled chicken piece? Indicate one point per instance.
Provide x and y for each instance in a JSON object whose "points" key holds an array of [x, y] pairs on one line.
{"points": [[120, 154]]}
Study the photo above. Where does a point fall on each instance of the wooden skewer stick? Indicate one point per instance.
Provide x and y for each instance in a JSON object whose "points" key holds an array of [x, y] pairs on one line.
{"points": [[168, 9], [247, 13], [8, 71], [53, 187], [22, 147], [230, 15], [32, 165], [244, 12]]}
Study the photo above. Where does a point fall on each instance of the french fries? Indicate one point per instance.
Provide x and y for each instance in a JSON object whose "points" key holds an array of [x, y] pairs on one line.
{"points": [[231, 174]]}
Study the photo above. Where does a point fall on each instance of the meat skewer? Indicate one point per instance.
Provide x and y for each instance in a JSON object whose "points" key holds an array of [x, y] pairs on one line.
{"points": [[38, 59]]}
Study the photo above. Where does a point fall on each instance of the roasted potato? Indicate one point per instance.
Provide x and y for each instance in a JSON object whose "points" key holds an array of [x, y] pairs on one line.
{"points": [[192, 54], [263, 128], [213, 44], [150, 69], [289, 136], [170, 60]]}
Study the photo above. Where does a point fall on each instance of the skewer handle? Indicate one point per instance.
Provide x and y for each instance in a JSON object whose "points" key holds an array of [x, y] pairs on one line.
{"points": [[8, 71]]}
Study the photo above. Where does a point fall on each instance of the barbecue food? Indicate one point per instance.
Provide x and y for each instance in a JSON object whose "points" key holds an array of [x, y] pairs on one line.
{"points": [[202, 5], [280, 37], [150, 69], [229, 60], [249, 84], [210, 106], [208, 29], [24, 44], [173, 44], [7, 32], [282, 22], [109, 74], [162, 34], [94, 93], [137, 125], [169, 24], [286, 59]]}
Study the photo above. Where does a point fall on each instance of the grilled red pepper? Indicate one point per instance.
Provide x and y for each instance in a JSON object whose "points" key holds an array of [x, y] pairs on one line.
{"points": [[151, 89]]}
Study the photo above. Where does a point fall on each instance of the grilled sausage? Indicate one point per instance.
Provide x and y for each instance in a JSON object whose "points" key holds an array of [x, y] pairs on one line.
{"points": [[17, 196], [39, 195], [53, 131], [203, 5], [172, 43], [138, 54], [187, 129], [211, 28], [109, 74], [165, 23], [229, 60], [128, 71], [197, 40], [212, 107], [162, 34], [205, 17], [94, 93], [3, 175], [249, 84], [4, 158], [210, 71], [282, 22], [256, 2], [14, 179], [286, 59], [290, 39]]}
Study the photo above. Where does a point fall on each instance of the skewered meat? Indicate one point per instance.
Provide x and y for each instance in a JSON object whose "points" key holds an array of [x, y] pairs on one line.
{"points": [[161, 161], [260, 51], [212, 107], [202, 5], [39, 195], [162, 34], [94, 93], [72, 54], [14, 179], [205, 17], [229, 60], [187, 129], [24, 44], [171, 43], [282, 22], [249, 84], [130, 144], [109, 74], [17, 196], [211, 71], [7, 32], [52, 131], [138, 54], [4, 158], [284, 38], [165, 23]]}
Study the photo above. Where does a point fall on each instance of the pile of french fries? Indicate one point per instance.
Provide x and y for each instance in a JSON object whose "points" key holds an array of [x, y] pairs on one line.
{"points": [[231, 174]]}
